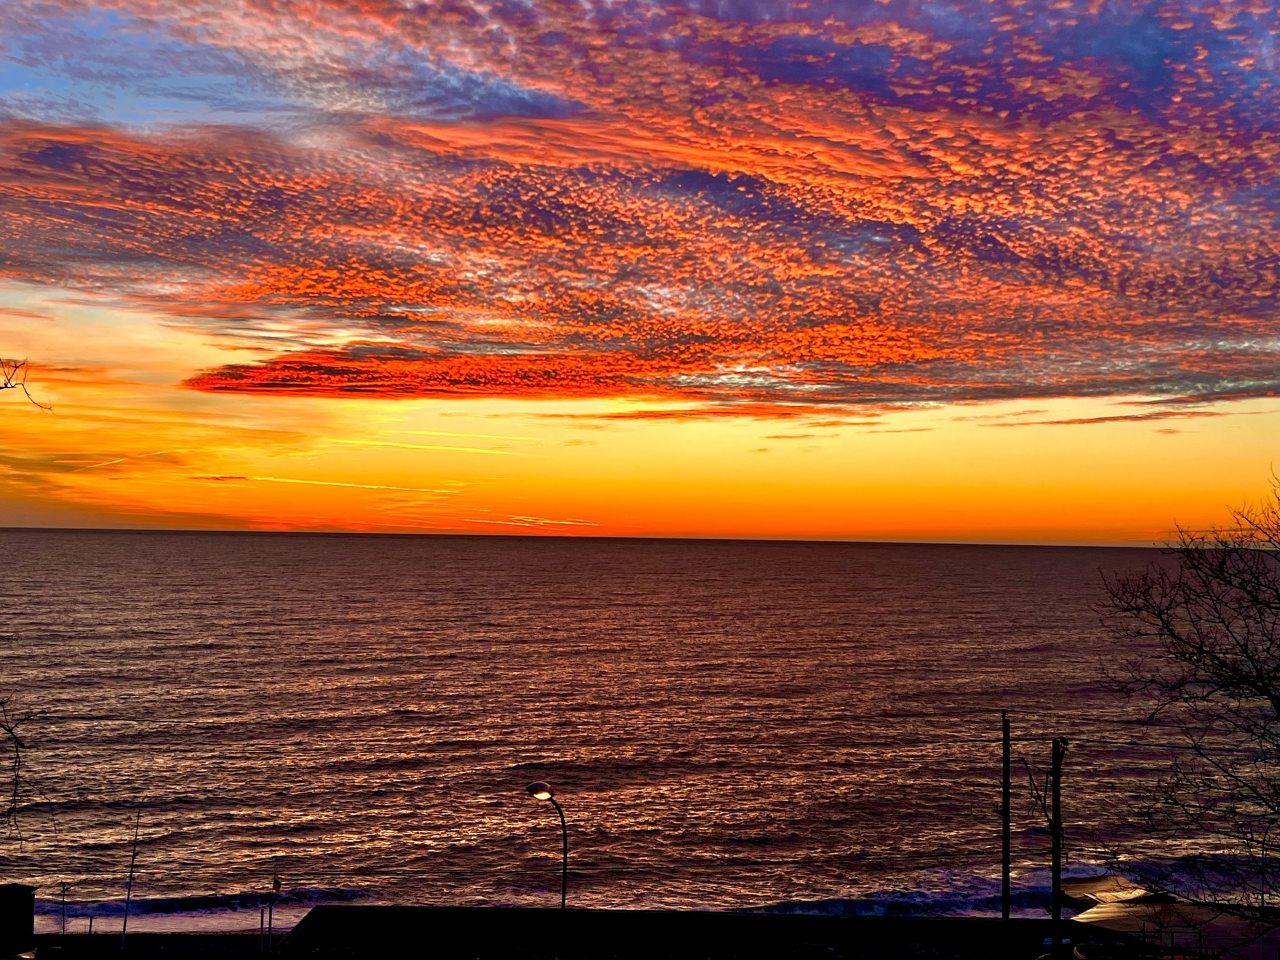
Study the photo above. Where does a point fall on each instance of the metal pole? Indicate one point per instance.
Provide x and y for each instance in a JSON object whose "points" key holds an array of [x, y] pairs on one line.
{"points": [[1055, 828], [128, 891], [271, 911], [1006, 856], [564, 864]]}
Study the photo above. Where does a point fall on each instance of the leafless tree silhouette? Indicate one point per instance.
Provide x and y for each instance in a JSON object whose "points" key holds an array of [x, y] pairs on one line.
{"points": [[1207, 624], [14, 784], [13, 376], [12, 748]]}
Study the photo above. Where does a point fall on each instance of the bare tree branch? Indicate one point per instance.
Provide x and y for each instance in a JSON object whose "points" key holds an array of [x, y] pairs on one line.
{"points": [[13, 376], [1204, 625], [12, 749]]}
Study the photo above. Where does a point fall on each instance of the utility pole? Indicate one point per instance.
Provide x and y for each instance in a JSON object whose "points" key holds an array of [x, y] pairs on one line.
{"points": [[1006, 857], [1055, 831]]}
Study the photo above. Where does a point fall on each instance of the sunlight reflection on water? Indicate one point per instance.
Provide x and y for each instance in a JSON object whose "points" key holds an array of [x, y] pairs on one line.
{"points": [[727, 723]]}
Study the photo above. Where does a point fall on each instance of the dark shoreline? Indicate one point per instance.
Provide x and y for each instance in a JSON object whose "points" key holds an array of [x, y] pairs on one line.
{"points": [[350, 932]]}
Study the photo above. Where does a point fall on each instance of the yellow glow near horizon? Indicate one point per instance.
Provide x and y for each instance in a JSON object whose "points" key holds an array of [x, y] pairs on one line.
{"points": [[128, 445]]}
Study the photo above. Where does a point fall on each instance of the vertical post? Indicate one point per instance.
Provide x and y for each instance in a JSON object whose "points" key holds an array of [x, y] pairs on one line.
{"points": [[271, 912], [564, 863], [1005, 814], [128, 890], [1055, 830], [542, 791]]}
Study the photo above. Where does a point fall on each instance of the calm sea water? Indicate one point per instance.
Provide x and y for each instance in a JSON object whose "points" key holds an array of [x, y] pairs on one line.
{"points": [[728, 724]]}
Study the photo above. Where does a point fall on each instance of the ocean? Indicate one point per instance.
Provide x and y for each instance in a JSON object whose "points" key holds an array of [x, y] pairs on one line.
{"points": [[727, 724]]}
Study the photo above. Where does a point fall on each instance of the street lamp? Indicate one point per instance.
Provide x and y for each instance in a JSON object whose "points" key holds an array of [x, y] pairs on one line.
{"points": [[542, 791]]}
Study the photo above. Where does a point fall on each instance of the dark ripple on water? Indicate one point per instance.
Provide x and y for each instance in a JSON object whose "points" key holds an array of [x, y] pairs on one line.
{"points": [[728, 724]]}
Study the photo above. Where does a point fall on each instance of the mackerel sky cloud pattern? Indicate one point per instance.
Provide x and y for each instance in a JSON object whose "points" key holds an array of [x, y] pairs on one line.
{"points": [[731, 205]]}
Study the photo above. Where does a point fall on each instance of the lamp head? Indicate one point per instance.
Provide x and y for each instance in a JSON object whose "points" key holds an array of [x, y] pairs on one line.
{"points": [[540, 791]]}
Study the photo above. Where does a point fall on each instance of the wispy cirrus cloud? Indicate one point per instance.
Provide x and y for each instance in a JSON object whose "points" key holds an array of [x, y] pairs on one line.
{"points": [[240, 478], [731, 209], [1114, 418]]}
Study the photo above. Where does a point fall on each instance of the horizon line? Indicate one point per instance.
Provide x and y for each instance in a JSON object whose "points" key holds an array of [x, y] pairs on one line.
{"points": [[220, 531]]}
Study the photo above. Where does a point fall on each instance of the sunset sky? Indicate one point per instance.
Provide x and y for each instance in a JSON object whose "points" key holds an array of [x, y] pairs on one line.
{"points": [[1003, 271]]}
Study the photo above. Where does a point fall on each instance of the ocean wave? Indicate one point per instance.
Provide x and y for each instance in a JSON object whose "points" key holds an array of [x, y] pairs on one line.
{"points": [[614, 770], [123, 804], [204, 903], [906, 903], [252, 734]]}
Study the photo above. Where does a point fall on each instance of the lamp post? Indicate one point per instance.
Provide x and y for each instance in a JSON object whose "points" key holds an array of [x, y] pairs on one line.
{"points": [[542, 791]]}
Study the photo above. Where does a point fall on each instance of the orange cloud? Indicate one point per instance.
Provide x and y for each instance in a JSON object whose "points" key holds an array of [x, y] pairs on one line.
{"points": [[824, 206]]}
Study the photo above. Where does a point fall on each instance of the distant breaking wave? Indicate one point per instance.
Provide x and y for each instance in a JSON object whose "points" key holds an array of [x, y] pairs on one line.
{"points": [[211, 903]]}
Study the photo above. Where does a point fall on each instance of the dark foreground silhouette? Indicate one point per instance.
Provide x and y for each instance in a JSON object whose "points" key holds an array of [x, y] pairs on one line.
{"points": [[350, 932]]}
